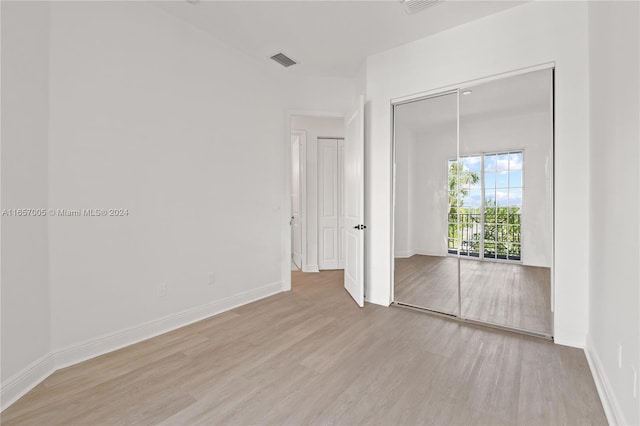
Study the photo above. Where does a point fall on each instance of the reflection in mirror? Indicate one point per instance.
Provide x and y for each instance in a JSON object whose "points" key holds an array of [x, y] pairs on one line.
{"points": [[426, 199], [505, 188]]}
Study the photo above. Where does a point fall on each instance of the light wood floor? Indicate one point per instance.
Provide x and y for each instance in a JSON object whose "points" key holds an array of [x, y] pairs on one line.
{"points": [[310, 356], [501, 293]]}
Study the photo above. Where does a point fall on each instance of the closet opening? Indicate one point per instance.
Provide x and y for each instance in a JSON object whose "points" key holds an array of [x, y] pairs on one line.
{"points": [[473, 202]]}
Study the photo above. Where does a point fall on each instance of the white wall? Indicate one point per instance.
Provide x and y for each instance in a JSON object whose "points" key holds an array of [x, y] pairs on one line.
{"points": [[427, 197], [425, 139], [143, 117], [614, 258], [150, 121], [314, 93], [315, 127], [25, 252], [428, 193], [404, 144], [120, 105], [527, 35]]}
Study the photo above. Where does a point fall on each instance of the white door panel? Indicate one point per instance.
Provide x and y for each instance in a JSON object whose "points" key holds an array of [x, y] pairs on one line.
{"points": [[354, 204], [329, 239], [328, 204]]}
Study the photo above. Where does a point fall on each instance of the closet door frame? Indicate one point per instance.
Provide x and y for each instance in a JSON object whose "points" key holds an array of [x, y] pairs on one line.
{"points": [[457, 89]]}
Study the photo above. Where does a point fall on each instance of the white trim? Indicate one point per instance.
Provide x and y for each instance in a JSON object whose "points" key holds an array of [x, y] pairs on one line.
{"points": [[91, 348], [412, 252], [312, 113], [575, 340], [303, 195], [615, 415], [392, 213], [465, 84], [32, 375], [286, 211], [458, 210], [552, 191], [311, 268], [403, 254], [26, 379]]}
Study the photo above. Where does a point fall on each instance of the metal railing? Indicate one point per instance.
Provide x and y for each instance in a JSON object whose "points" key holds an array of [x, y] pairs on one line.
{"points": [[499, 237]]}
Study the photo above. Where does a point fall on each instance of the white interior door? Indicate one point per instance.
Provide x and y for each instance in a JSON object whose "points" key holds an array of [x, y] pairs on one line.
{"points": [[354, 204], [328, 204], [296, 231]]}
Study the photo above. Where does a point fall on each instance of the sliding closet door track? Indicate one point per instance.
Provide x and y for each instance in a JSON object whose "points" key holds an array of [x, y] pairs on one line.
{"points": [[471, 321]]}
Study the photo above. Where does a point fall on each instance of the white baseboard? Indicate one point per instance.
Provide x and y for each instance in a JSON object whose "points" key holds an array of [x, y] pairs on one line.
{"points": [[574, 340], [403, 254], [612, 409], [378, 301], [311, 268], [113, 341], [25, 380]]}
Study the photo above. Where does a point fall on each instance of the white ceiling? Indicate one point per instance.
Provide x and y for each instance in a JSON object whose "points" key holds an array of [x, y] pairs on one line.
{"points": [[327, 38], [522, 94]]}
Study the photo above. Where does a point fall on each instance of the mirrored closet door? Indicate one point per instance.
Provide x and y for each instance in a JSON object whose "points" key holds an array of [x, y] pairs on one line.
{"points": [[426, 265], [473, 218]]}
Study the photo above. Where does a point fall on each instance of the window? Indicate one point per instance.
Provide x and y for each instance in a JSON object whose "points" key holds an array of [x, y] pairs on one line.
{"points": [[485, 205]]}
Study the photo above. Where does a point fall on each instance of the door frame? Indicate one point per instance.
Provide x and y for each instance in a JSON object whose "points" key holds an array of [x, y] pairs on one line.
{"points": [[302, 154], [457, 88], [285, 266]]}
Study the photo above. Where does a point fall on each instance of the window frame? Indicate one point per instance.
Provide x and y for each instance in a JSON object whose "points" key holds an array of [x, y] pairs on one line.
{"points": [[480, 255]]}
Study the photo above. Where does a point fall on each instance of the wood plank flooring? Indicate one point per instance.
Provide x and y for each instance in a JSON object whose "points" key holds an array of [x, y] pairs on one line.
{"points": [[501, 293], [311, 356]]}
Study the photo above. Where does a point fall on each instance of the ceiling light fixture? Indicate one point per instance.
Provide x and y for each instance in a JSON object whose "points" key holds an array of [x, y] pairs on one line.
{"points": [[467, 92], [413, 6]]}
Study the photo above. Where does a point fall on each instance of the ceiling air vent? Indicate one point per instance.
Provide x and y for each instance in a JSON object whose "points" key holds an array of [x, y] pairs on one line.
{"points": [[283, 60], [413, 6]]}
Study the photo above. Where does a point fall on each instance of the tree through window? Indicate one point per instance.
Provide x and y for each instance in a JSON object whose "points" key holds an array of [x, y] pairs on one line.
{"points": [[485, 205]]}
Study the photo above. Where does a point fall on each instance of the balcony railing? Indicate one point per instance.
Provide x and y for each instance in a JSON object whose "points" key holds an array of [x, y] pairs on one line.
{"points": [[500, 237]]}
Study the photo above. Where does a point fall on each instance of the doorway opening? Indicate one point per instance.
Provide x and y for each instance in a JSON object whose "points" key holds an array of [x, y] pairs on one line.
{"points": [[317, 171], [325, 197]]}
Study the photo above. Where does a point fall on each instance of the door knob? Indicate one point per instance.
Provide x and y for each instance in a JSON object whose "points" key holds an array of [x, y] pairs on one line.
{"points": [[360, 227]]}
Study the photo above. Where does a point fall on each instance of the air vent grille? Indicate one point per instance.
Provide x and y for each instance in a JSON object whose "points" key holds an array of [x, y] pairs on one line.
{"points": [[413, 6], [283, 59]]}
